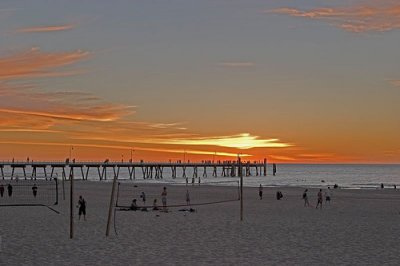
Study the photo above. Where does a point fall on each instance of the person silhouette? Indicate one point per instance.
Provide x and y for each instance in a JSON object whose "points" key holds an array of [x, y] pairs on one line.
{"points": [[10, 190], [187, 198], [319, 202], [164, 198], [82, 207], [34, 190], [305, 198]]}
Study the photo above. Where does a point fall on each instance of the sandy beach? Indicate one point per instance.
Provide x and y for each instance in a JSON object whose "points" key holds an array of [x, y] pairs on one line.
{"points": [[359, 227]]}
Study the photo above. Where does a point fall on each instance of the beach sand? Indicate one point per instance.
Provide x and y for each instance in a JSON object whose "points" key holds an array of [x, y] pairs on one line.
{"points": [[359, 227]]}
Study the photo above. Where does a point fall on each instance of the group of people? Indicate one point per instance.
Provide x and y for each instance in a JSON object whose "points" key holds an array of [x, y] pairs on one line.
{"points": [[10, 190], [134, 206], [279, 193], [319, 198]]}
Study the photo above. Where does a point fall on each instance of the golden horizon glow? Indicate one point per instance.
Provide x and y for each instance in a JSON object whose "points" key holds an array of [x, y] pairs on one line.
{"points": [[240, 141], [129, 148]]}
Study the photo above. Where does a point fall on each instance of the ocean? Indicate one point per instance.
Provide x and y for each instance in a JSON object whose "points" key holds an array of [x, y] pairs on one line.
{"points": [[350, 176]]}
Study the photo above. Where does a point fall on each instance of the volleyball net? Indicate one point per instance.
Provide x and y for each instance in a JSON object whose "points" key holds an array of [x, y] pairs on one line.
{"points": [[178, 196], [39, 192]]}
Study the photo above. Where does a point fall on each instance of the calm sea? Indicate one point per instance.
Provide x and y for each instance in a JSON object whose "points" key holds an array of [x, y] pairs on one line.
{"points": [[299, 175]]}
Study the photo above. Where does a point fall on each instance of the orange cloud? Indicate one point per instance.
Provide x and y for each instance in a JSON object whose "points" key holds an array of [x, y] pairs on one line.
{"points": [[34, 63], [30, 104], [384, 16], [93, 113], [395, 83], [13, 122], [46, 28]]}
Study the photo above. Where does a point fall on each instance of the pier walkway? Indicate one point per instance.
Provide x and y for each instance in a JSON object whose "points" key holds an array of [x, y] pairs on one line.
{"points": [[145, 170]]}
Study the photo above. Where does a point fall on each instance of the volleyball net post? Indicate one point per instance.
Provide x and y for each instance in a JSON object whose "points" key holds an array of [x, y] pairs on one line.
{"points": [[110, 208], [241, 187], [71, 203]]}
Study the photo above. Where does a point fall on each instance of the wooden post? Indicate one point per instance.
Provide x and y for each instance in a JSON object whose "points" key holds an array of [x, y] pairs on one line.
{"points": [[111, 205], [71, 203], [265, 166], [63, 187], [56, 191], [241, 189]]}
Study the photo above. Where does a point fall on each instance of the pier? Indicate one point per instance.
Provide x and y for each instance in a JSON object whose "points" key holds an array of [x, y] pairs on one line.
{"points": [[143, 170]]}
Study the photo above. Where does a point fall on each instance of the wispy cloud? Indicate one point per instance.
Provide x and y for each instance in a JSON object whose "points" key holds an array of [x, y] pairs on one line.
{"points": [[47, 28], [27, 101], [35, 63], [381, 16], [395, 82], [236, 64], [93, 113]]}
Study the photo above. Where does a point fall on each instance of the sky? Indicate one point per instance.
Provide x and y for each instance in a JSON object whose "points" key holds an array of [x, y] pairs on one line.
{"points": [[300, 81]]}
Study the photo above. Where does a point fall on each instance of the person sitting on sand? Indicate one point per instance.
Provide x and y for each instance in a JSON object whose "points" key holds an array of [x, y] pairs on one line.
{"points": [[260, 191], [279, 195], [1, 190], [34, 190], [133, 206], [305, 198], [155, 206], [319, 202]]}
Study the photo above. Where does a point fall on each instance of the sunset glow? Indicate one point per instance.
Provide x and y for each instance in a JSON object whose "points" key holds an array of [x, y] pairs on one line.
{"points": [[315, 83]]}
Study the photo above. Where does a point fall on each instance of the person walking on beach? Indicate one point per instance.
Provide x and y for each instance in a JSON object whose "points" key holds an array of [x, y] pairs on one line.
{"points": [[82, 207], [187, 198], [1, 190], [9, 190], [319, 202], [260, 191], [143, 196], [34, 190], [305, 198], [328, 195], [164, 199]]}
